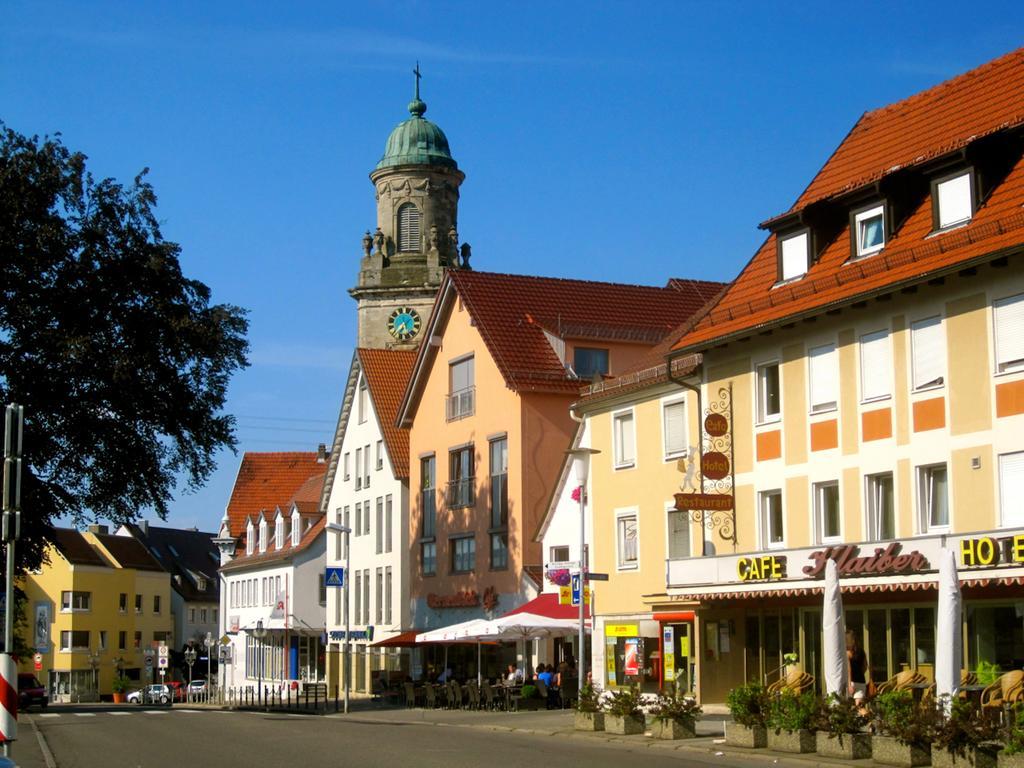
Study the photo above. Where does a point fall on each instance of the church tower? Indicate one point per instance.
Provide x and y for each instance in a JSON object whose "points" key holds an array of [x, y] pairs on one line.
{"points": [[416, 237]]}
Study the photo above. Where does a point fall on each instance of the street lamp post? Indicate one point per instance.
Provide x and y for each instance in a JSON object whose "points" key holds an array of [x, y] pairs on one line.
{"points": [[259, 633], [581, 465], [208, 641], [190, 659], [346, 531]]}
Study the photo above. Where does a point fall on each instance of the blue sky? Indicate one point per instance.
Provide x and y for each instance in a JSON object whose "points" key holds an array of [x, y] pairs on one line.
{"points": [[608, 141]]}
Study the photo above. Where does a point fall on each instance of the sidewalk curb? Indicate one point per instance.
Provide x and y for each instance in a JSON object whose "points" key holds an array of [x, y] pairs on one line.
{"points": [[43, 746]]}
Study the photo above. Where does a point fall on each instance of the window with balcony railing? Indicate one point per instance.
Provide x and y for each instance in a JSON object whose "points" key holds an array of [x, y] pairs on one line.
{"points": [[461, 400], [461, 478], [461, 404]]}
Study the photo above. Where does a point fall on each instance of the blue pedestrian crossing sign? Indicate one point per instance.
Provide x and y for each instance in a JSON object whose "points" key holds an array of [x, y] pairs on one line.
{"points": [[576, 583], [334, 577]]}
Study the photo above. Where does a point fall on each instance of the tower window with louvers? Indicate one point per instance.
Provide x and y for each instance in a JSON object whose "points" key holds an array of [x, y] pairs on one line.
{"points": [[408, 228]]}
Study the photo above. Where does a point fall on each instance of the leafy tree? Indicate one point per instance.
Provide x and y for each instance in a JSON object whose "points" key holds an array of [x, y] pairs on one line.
{"points": [[122, 363]]}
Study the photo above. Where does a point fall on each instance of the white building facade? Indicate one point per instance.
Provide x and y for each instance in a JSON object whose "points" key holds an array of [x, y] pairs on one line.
{"points": [[367, 491]]}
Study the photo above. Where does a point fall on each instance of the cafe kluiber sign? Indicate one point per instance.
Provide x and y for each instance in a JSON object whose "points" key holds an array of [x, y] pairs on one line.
{"points": [[886, 559]]}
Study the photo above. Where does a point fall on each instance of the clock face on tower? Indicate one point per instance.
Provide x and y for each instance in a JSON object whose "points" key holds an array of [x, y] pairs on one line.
{"points": [[404, 323]]}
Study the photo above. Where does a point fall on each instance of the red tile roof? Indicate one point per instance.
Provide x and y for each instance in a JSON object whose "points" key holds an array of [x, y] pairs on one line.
{"points": [[927, 125], [271, 480], [387, 373], [913, 253], [512, 313]]}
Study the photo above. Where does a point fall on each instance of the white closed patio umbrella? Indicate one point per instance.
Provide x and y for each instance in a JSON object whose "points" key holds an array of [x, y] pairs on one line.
{"points": [[948, 637], [833, 631]]}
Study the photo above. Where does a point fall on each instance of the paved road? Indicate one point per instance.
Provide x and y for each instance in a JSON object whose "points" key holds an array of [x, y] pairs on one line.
{"points": [[170, 738]]}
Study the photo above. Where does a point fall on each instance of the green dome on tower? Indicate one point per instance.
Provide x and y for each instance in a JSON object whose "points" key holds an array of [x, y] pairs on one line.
{"points": [[417, 141]]}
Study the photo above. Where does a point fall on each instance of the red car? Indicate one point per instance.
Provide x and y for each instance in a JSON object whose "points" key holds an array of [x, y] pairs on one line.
{"points": [[31, 691], [177, 689]]}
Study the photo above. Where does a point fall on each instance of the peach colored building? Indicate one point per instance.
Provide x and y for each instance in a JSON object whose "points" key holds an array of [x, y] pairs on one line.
{"points": [[487, 407]]}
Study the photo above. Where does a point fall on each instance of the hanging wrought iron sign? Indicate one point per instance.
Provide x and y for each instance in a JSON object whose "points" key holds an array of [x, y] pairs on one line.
{"points": [[712, 503]]}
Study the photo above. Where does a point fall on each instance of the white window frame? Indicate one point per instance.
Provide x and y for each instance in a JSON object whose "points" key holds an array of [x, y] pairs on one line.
{"points": [[347, 466], [250, 538], [1011, 494], [825, 354], [618, 460], [379, 455], [873, 522], [880, 341], [789, 255], [934, 383], [761, 392], [620, 516], [681, 452], [279, 532], [764, 523], [1012, 335], [858, 219], [68, 606], [818, 506], [296, 529], [940, 225], [670, 509], [924, 499], [553, 557], [263, 535], [363, 400]]}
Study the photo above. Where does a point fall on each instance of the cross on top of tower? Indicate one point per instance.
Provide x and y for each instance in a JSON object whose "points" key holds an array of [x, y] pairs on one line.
{"points": [[416, 72]]}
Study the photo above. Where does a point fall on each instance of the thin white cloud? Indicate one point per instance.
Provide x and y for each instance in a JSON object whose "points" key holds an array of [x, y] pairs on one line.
{"points": [[307, 356]]}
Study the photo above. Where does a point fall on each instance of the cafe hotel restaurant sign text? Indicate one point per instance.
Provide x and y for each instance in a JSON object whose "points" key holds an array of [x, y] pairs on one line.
{"points": [[893, 559]]}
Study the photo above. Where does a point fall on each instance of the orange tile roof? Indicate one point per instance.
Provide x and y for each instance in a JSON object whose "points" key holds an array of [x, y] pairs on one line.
{"points": [[271, 480], [512, 313], [923, 127], [912, 254], [387, 373]]}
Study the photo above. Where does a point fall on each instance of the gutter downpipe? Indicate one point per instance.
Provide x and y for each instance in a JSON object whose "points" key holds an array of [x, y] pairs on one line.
{"points": [[700, 412]]}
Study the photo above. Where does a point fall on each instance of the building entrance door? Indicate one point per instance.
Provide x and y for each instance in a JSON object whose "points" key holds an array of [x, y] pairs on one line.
{"points": [[677, 662]]}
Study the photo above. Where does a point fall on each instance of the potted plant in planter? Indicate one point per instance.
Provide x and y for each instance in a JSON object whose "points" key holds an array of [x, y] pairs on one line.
{"points": [[120, 688], [964, 736], [588, 716], [1012, 755], [903, 730], [530, 698], [840, 724], [675, 716], [789, 722], [623, 715], [748, 705]]}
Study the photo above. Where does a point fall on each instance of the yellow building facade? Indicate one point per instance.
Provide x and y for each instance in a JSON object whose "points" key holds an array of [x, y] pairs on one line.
{"points": [[95, 607]]}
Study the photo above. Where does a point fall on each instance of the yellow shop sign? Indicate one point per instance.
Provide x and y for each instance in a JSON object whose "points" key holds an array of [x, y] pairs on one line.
{"points": [[762, 568], [622, 630]]}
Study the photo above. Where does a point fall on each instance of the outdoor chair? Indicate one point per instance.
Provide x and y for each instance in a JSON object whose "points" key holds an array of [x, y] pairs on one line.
{"points": [[796, 681], [472, 695], [489, 699], [568, 692], [542, 688], [902, 681], [410, 695], [1004, 691], [454, 695], [430, 694]]}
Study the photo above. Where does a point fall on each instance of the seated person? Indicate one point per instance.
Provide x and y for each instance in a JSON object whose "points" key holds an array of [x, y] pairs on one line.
{"points": [[513, 675], [543, 673], [445, 676]]}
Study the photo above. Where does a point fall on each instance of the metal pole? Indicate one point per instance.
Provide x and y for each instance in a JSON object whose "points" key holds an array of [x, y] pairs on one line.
{"points": [[348, 579], [579, 661]]}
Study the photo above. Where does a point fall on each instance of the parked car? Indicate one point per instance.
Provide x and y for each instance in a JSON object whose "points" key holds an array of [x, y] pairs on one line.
{"points": [[197, 686], [31, 691], [177, 689], [151, 694]]}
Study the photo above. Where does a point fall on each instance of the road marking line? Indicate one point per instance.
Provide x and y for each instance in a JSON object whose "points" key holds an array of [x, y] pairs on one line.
{"points": [[191, 711], [120, 714], [154, 712], [49, 714], [85, 714]]}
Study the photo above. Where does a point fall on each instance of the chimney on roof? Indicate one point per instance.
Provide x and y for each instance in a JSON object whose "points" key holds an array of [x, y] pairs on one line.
{"points": [[98, 529], [321, 453], [144, 527]]}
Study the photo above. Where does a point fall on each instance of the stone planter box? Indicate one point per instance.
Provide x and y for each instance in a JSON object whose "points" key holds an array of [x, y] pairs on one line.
{"points": [[792, 741], [985, 756], [888, 751], [623, 726], [854, 746], [742, 736], [674, 729], [1010, 761], [588, 721]]}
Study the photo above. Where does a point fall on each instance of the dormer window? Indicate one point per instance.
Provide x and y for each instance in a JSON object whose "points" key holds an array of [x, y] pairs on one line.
{"points": [[263, 536], [953, 200], [250, 538], [408, 228], [296, 529], [794, 255], [279, 533], [869, 230]]}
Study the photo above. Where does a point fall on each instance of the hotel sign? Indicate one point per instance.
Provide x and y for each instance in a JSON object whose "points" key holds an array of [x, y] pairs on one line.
{"points": [[987, 550]]}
